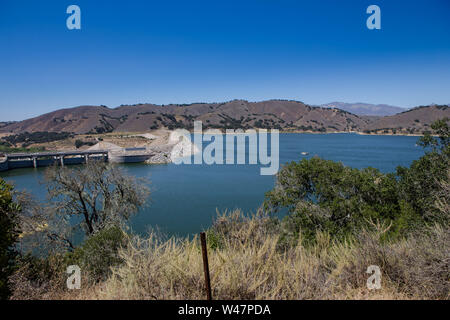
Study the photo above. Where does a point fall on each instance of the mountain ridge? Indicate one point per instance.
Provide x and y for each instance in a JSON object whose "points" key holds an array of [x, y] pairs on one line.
{"points": [[285, 115]]}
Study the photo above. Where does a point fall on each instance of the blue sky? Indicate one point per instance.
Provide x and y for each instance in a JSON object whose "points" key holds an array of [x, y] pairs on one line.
{"points": [[190, 51]]}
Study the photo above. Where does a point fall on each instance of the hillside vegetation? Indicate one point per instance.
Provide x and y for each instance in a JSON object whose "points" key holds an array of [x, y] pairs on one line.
{"points": [[21, 142], [246, 263]]}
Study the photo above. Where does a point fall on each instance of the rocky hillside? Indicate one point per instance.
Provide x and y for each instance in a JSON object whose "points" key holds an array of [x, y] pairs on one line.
{"points": [[280, 114]]}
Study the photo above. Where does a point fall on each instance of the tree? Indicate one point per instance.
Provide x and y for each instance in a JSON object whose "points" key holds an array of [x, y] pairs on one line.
{"points": [[442, 131], [328, 196], [78, 143], [97, 198], [442, 199], [422, 179], [9, 232], [100, 193]]}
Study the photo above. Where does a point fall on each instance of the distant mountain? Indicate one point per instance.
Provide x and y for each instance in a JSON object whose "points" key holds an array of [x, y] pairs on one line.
{"points": [[365, 109], [286, 115]]}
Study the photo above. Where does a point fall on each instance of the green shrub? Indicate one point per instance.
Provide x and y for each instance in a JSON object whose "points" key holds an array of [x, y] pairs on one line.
{"points": [[9, 232], [328, 196], [38, 277], [78, 143], [98, 253], [43, 277]]}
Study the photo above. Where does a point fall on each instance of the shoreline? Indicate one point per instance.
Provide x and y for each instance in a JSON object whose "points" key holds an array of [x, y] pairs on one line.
{"points": [[315, 132]]}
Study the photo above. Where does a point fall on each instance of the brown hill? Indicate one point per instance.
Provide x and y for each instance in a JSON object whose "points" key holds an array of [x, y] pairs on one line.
{"points": [[5, 123], [281, 114], [415, 120]]}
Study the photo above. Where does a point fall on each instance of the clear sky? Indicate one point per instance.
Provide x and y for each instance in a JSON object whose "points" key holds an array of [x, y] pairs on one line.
{"points": [[190, 51]]}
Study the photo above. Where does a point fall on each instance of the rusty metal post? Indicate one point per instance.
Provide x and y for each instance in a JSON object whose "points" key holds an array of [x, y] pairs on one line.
{"points": [[206, 266]]}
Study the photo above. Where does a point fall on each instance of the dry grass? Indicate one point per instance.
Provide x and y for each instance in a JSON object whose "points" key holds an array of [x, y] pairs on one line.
{"points": [[246, 263]]}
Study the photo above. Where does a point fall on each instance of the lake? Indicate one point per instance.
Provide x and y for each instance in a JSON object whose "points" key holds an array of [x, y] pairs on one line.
{"points": [[185, 198]]}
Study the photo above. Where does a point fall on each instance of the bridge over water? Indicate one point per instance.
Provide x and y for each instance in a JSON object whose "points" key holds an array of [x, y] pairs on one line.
{"points": [[41, 159]]}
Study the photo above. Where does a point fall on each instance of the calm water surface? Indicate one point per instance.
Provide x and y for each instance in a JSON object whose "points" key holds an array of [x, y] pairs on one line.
{"points": [[185, 198]]}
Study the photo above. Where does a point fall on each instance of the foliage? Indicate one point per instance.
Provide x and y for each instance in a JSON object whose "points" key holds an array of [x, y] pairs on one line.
{"points": [[42, 230], [99, 253], [8, 149], [9, 232], [100, 193], [79, 143], [28, 138], [323, 195], [44, 277], [38, 277], [442, 141], [419, 182], [97, 198]]}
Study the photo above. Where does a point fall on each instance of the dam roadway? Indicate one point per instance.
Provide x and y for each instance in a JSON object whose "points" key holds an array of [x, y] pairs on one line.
{"points": [[42, 159]]}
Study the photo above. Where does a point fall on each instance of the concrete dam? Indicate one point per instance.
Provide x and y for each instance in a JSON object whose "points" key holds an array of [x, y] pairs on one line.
{"points": [[44, 159]]}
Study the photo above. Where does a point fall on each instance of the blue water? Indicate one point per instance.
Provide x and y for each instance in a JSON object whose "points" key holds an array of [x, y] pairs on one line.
{"points": [[185, 198]]}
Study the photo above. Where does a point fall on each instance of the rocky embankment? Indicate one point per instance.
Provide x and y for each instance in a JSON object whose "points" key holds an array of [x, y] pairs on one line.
{"points": [[160, 154], [171, 145], [161, 147]]}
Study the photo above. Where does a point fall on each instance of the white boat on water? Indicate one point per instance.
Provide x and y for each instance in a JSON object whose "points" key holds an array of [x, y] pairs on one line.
{"points": [[304, 153]]}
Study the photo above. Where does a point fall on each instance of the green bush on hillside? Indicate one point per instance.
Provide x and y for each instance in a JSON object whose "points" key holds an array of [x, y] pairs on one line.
{"points": [[323, 195], [99, 253], [9, 232], [28, 138], [37, 277]]}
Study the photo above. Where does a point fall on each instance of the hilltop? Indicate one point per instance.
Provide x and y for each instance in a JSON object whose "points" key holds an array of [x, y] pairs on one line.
{"points": [[413, 121], [285, 115]]}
